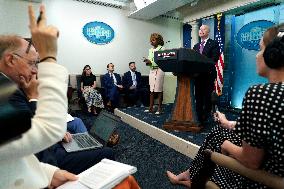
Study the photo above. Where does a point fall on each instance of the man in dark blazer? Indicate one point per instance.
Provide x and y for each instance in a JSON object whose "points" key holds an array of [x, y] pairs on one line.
{"points": [[132, 85], [112, 84], [204, 83], [75, 162]]}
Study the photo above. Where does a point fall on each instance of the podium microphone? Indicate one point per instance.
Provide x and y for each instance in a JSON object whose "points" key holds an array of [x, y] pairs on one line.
{"points": [[215, 102]]}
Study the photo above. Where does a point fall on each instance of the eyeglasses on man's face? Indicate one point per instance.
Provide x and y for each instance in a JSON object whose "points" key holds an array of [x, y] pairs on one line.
{"points": [[32, 63], [29, 40]]}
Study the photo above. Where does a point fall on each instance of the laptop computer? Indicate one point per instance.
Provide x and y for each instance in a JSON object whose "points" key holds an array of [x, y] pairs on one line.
{"points": [[103, 127]]}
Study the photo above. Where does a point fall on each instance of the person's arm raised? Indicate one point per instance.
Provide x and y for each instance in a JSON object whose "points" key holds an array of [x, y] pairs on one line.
{"points": [[44, 37], [48, 124]]}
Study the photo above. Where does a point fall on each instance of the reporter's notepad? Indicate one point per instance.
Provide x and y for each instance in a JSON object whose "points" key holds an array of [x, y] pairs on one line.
{"points": [[104, 175]]}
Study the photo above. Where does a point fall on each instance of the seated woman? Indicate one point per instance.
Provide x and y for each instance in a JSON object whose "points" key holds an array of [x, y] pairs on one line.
{"points": [[88, 88], [256, 138]]}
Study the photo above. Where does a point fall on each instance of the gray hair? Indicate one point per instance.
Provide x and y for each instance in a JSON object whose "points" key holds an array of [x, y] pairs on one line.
{"points": [[9, 43]]}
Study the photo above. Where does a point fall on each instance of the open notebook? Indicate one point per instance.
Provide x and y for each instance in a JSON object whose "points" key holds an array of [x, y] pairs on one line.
{"points": [[104, 175]]}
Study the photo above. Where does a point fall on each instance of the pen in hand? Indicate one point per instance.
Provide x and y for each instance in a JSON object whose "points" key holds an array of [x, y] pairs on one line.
{"points": [[39, 17], [30, 40]]}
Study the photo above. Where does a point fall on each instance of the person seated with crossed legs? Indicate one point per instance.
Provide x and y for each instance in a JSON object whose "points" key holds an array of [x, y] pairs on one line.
{"points": [[112, 84]]}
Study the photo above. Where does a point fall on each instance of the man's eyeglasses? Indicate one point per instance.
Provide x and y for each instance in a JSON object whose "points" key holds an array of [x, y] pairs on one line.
{"points": [[29, 40], [31, 63]]}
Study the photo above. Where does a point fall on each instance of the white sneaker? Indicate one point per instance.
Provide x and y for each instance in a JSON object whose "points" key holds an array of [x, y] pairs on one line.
{"points": [[146, 110], [157, 113]]}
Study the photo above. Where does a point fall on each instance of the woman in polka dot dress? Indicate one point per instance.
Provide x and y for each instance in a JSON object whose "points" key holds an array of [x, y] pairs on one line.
{"points": [[256, 138]]}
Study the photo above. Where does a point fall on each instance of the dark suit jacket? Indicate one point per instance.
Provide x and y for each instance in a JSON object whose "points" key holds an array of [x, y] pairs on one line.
{"points": [[127, 80], [20, 101], [107, 81], [56, 155], [14, 120], [211, 49]]}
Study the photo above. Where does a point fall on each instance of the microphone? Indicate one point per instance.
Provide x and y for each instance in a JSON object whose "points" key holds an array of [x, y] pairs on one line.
{"points": [[214, 101]]}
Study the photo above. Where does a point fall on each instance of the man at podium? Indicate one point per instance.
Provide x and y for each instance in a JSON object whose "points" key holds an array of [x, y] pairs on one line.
{"points": [[204, 83]]}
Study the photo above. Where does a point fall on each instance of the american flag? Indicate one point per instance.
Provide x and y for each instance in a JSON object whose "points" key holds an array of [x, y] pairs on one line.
{"points": [[220, 64]]}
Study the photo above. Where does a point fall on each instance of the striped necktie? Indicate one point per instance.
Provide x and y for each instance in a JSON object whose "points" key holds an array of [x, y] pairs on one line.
{"points": [[201, 47]]}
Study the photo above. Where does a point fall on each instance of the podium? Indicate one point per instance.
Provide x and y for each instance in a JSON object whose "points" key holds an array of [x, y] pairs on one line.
{"points": [[187, 64]]}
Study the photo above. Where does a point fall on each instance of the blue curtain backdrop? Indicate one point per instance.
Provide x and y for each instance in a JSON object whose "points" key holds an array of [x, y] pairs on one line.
{"points": [[187, 35], [243, 60]]}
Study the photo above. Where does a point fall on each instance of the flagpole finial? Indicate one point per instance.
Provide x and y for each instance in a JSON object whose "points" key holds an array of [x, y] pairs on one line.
{"points": [[219, 16]]}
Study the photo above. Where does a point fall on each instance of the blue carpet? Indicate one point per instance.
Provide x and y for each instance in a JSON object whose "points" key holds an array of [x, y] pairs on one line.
{"points": [[159, 120], [151, 157]]}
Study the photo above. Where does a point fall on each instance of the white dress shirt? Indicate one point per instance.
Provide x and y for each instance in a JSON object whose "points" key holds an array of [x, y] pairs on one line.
{"points": [[133, 75], [113, 77]]}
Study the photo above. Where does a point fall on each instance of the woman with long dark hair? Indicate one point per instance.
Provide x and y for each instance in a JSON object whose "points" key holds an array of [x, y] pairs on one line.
{"points": [[88, 87]]}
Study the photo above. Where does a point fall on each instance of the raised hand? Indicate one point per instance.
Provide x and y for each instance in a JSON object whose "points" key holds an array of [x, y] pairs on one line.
{"points": [[44, 37]]}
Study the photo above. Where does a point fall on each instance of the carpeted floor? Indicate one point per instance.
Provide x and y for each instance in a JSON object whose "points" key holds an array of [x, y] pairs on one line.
{"points": [[151, 157], [158, 121]]}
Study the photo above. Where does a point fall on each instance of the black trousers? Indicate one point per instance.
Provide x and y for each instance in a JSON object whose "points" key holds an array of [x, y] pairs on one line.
{"points": [[204, 86], [74, 162], [138, 96]]}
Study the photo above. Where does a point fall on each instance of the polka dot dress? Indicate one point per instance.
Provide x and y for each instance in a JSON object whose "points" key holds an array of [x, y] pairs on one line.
{"points": [[261, 124]]}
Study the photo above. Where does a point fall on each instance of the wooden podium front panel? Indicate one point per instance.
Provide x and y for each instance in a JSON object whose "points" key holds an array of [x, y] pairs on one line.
{"points": [[183, 106]]}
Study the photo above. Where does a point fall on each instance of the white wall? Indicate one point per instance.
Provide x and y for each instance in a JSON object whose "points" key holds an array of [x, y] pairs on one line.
{"points": [[208, 8], [131, 40]]}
